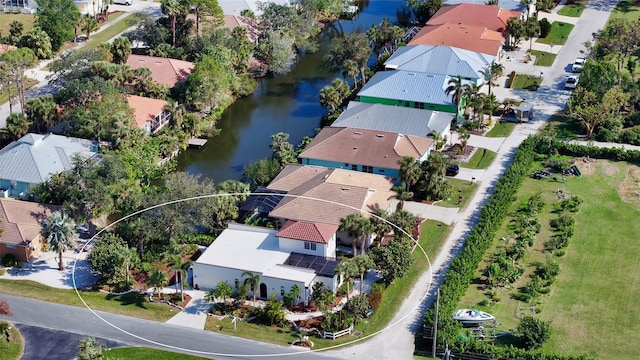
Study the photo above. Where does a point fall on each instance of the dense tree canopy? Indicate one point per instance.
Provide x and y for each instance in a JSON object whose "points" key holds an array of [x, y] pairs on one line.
{"points": [[57, 18]]}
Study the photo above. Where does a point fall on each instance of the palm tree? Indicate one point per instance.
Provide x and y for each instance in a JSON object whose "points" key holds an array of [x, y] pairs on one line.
{"points": [[491, 73], [295, 292], [88, 24], [57, 230], [381, 225], [403, 220], [180, 267], [157, 280], [455, 89], [120, 49], [254, 282], [401, 194], [348, 270], [463, 136], [409, 172], [358, 227], [223, 290], [41, 111], [363, 263], [172, 9], [17, 125]]}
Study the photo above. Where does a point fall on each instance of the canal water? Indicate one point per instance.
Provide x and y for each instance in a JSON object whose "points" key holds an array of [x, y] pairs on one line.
{"points": [[288, 104]]}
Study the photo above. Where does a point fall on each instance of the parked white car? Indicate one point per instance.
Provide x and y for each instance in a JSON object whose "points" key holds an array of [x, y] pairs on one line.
{"points": [[123, 2], [571, 82], [577, 65]]}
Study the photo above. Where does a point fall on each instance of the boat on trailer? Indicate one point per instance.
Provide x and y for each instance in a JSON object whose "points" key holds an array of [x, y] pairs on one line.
{"points": [[473, 317]]}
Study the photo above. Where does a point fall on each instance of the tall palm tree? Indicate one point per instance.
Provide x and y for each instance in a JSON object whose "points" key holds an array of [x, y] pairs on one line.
{"points": [[362, 264], [455, 89], [42, 111], [17, 125], [88, 24], [358, 227], [254, 282], [380, 223], [491, 73], [171, 8], [57, 230], [348, 270], [409, 171], [179, 266]]}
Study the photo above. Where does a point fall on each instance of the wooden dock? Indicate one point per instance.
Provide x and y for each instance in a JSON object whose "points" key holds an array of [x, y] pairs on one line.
{"points": [[196, 143]]}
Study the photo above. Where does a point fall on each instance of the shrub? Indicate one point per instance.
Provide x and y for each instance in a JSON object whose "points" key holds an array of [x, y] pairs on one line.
{"points": [[358, 306], [375, 299], [336, 321], [562, 222], [484, 302], [271, 314], [9, 260], [3, 271], [533, 332], [545, 27]]}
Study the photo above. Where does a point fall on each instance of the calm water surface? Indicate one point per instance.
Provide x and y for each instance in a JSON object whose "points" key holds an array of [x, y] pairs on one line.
{"points": [[287, 104]]}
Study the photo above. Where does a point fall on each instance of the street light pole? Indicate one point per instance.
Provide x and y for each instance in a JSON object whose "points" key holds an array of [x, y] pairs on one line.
{"points": [[435, 326]]}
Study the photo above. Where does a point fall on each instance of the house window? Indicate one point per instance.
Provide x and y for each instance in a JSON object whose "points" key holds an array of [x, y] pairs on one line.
{"points": [[11, 246], [367, 169], [381, 170], [354, 167], [309, 245], [237, 283], [282, 290], [346, 164]]}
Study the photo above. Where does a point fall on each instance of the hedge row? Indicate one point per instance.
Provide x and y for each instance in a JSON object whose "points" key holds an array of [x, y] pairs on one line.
{"points": [[577, 150], [478, 241]]}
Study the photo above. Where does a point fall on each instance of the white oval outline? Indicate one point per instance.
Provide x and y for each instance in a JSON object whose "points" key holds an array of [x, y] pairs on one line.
{"points": [[416, 242]]}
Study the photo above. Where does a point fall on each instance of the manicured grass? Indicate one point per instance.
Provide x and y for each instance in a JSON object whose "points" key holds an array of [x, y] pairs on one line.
{"points": [[559, 33], [105, 35], [543, 58], [481, 159], [133, 304], [574, 9], [526, 82], [460, 187], [626, 9], [13, 349], [592, 305], [142, 353], [432, 236], [6, 19], [501, 129], [4, 97]]}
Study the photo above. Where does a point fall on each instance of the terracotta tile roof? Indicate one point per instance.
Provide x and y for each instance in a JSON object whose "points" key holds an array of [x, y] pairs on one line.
{"points": [[307, 231], [491, 17], [145, 109], [5, 47], [20, 220], [164, 71], [233, 21], [341, 192], [365, 147], [473, 38]]}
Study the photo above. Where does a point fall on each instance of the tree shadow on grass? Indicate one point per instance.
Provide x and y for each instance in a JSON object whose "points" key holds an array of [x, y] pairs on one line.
{"points": [[132, 298]]}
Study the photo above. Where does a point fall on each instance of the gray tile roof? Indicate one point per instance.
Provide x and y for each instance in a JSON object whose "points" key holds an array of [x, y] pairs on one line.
{"points": [[34, 158], [397, 119], [408, 86], [439, 59]]}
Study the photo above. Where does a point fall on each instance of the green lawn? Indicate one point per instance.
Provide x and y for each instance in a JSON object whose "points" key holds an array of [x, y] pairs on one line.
{"points": [[574, 9], [123, 24], [133, 304], [6, 19], [627, 9], [559, 33], [142, 353], [501, 129], [543, 58], [13, 349], [526, 82], [432, 236], [460, 187], [481, 159], [593, 305]]}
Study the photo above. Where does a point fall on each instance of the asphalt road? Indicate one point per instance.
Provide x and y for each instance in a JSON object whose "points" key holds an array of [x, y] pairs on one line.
{"points": [[61, 326]]}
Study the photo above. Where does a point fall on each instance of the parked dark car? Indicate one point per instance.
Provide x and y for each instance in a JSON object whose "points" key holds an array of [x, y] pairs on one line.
{"points": [[453, 170]]}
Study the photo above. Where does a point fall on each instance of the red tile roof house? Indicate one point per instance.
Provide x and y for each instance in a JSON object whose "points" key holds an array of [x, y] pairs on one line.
{"points": [[480, 28], [369, 151], [302, 252], [20, 224], [164, 71], [150, 114]]}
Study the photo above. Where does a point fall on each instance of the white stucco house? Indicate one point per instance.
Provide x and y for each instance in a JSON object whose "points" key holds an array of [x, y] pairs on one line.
{"points": [[294, 255]]}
